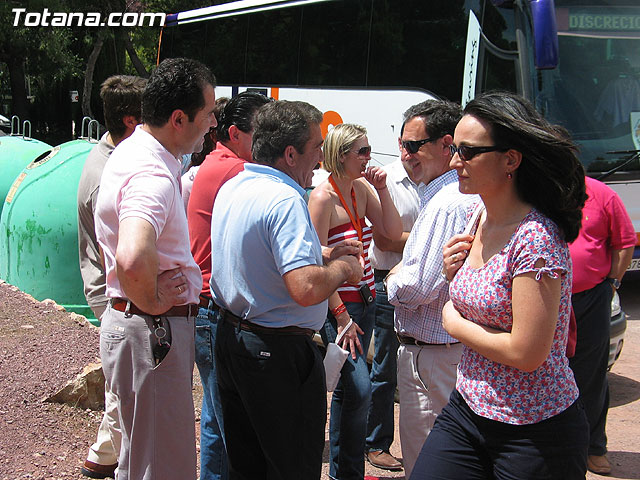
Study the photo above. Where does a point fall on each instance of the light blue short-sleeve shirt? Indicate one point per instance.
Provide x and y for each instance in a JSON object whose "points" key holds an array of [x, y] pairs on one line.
{"points": [[260, 230]]}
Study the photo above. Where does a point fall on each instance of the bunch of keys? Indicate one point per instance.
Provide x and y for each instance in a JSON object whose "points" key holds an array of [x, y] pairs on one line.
{"points": [[162, 346]]}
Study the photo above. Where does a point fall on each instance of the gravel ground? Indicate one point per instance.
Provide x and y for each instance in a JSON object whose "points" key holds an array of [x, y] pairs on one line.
{"points": [[42, 348]]}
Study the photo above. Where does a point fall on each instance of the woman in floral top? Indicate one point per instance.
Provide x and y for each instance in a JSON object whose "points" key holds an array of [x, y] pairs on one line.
{"points": [[514, 412]]}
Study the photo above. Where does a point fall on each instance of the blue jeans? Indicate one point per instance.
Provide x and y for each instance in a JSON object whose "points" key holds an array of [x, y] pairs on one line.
{"points": [[384, 376], [351, 399], [213, 455]]}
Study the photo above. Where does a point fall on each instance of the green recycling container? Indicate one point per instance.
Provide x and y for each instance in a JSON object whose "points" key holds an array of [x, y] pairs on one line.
{"points": [[16, 152], [39, 228]]}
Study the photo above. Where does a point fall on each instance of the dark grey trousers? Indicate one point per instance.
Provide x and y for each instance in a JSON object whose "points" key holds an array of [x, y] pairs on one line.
{"points": [[589, 364]]}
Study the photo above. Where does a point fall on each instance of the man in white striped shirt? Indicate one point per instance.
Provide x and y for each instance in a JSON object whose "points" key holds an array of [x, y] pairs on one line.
{"points": [[427, 356]]}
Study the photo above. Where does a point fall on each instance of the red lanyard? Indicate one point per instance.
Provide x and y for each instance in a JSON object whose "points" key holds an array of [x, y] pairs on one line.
{"points": [[354, 221]]}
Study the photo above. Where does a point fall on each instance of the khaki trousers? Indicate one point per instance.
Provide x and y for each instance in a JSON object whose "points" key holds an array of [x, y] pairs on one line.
{"points": [[106, 448], [155, 403], [426, 378]]}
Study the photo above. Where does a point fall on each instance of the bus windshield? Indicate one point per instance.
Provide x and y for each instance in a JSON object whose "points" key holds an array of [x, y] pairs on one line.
{"points": [[595, 91]]}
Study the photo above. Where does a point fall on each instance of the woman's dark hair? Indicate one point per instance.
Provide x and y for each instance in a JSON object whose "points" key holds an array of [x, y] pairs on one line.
{"points": [[550, 176], [239, 111], [208, 146]]}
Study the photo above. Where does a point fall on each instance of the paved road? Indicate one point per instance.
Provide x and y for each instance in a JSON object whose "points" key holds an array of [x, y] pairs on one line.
{"points": [[623, 424]]}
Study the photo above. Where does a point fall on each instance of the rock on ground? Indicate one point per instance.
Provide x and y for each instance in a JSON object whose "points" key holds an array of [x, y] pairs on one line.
{"points": [[84, 391]]}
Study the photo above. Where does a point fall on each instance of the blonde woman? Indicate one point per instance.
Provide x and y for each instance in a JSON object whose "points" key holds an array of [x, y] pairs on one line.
{"points": [[338, 208]]}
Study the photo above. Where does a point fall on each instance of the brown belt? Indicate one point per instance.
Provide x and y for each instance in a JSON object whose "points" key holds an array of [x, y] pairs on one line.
{"points": [[190, 310], [252, 327], [407, 340]]}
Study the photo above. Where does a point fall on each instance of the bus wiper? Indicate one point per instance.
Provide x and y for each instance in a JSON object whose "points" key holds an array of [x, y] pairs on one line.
{"points": [[633, 155]]}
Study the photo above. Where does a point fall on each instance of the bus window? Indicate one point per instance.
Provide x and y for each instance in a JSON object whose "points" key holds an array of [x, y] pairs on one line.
{"points": [[353, 43], [226, 44], [595, 92], [498, 72], [271, 46], [333, 44], [418, 43]]}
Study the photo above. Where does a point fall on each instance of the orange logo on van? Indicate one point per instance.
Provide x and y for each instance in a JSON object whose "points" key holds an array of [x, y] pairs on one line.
{"points": [[330, 118]]}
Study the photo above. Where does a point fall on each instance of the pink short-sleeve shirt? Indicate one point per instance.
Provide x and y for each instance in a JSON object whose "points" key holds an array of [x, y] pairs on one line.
{"points": [[606, 226], [494, 390], [142, 179]]}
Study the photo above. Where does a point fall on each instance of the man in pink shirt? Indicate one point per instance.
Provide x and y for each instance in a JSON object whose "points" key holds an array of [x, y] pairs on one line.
{"points": [[146, 339], [600, 257]]}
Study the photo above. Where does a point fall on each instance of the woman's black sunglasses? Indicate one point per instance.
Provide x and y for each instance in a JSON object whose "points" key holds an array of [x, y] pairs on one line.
{"points": [[466, 153], [364, 151]]}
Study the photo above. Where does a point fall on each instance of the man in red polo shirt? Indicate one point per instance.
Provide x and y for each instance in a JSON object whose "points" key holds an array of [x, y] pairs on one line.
{"points": [[234, 131]]}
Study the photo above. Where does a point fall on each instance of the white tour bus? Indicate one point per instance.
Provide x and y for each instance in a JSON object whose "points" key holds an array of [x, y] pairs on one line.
{"points": [[366, 61]]}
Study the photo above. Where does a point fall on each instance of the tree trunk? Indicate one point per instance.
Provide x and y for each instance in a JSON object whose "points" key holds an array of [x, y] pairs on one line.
{"points": [[19, 104], [88, 75], [135, 60]]}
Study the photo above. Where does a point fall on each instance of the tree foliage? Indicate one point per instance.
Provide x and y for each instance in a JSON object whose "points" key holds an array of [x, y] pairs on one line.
{"points": [[40, 65], [44, 53]]}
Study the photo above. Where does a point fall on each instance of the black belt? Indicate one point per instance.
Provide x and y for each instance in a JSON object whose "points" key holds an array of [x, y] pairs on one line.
{"points": [[407, 340], [204, 302], [380, 275], [120, 304], [252, 327]]}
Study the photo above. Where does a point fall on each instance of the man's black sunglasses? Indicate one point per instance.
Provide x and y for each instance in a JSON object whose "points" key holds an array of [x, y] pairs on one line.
{"points": [[466, 153], [412, 146]]}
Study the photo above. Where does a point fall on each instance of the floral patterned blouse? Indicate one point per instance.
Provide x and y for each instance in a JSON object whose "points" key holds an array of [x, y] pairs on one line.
{"points": [[501, 392]]}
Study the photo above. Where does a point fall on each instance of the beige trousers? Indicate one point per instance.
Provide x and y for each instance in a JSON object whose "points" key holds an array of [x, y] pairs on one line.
{"points": [[426, 378], [106, 449], [154, 401]]}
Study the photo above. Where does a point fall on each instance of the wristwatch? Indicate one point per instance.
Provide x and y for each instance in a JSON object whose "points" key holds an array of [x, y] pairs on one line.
{"points": [[615, 283]]}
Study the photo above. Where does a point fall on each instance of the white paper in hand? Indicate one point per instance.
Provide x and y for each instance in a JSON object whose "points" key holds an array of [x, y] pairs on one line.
{"points": [[334, 360]]}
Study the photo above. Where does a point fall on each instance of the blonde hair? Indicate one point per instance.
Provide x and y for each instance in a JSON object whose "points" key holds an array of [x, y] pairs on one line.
{"points": [[337, 143]]}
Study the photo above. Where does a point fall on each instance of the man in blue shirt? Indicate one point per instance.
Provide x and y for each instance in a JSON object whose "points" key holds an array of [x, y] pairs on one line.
{"points": [[271, 281]]}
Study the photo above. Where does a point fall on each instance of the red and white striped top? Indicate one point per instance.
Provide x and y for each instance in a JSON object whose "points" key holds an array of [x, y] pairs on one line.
{"points": [[350, 293]]}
